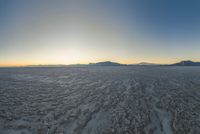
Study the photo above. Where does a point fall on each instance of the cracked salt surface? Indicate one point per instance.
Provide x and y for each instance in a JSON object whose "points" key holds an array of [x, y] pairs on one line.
{"points": [[100, 100]]}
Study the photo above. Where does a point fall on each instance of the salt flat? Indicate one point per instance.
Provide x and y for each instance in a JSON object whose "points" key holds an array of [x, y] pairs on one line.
{"points": [[100, 100]]}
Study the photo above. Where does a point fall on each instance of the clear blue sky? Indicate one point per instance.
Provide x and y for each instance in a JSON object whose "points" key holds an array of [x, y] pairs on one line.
{"points": [[82, 31]]}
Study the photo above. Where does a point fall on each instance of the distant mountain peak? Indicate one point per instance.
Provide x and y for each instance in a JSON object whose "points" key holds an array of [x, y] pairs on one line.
{"points": [[186, 63], [106, 63]]}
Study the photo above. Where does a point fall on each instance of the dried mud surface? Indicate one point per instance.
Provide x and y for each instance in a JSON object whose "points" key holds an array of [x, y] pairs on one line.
{"points": [[100, 100]]}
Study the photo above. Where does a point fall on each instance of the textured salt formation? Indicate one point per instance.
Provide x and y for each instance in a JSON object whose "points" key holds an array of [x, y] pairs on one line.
{"points": [[100, 100]]}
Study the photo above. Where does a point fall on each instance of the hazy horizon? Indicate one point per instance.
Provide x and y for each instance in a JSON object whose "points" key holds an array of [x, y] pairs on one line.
{"points": [[144, 76], [79, 32]]}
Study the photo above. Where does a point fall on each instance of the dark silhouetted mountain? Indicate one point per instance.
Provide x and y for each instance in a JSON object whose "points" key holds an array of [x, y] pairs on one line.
{"points": [[107, 63], [186, 63]]}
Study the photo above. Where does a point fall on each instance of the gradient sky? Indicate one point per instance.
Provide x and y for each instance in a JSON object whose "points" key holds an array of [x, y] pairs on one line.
{"points": [[83, 31]]}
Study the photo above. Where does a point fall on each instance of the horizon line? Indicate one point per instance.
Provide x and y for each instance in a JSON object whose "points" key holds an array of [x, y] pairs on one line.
{"points": [[59, 64]]}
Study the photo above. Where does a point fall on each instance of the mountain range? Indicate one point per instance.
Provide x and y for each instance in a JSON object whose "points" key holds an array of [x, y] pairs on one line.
{"points": [[186, 63], [109, 63], [181, 63]]}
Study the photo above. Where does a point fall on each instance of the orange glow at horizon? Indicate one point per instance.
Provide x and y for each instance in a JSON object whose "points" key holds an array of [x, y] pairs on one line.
{"points": [[77, 32], [26, 63]]}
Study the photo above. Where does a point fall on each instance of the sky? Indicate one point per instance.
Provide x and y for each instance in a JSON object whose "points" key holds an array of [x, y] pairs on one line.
{"points": [[83, 31]]}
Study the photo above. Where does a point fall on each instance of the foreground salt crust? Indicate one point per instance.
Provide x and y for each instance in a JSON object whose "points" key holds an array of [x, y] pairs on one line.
{"points": [[100, 100]]}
